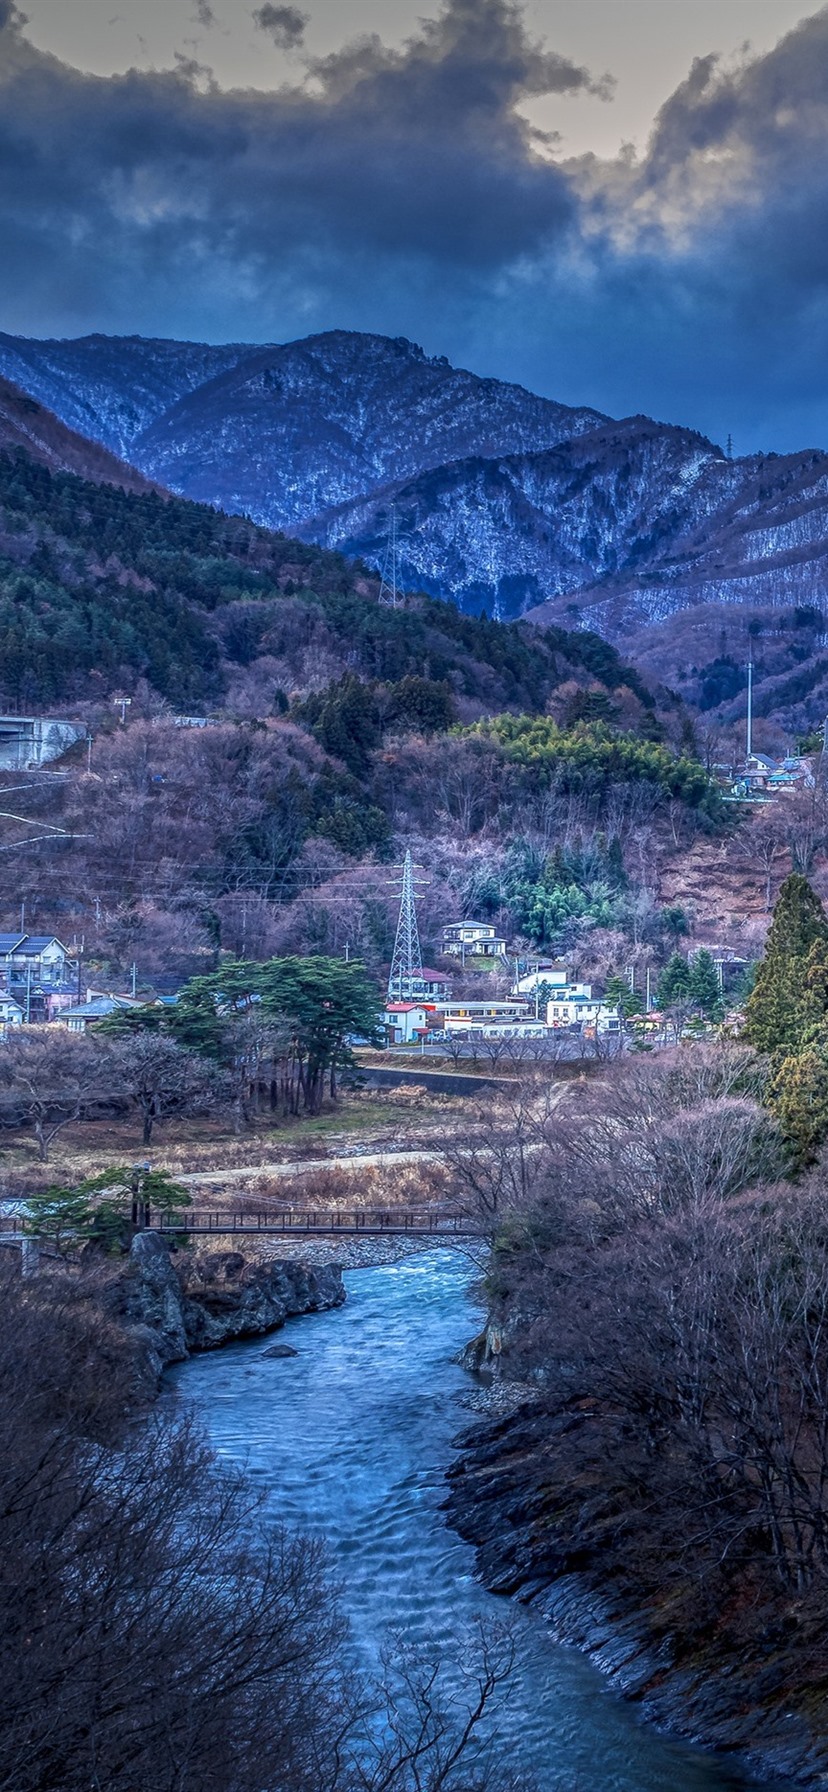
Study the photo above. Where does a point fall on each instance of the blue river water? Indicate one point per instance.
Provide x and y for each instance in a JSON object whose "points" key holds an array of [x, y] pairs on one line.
{"points": [[350, 1439]]}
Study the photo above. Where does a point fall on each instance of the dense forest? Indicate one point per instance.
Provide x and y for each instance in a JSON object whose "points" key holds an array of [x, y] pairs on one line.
{"points": [[100, 588]]}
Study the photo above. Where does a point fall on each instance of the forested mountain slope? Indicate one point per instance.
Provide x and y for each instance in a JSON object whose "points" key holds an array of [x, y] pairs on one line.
{"points": [[28, 425], [333, 728], [505, 500], [100, 588]]}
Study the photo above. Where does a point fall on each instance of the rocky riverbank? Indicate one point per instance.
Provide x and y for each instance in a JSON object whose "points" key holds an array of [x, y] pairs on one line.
{"points": [[175, 1303], [754, 1684]]}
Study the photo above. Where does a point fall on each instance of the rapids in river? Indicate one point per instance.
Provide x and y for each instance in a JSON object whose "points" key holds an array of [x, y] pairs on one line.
{"points": [[351, 1439]]}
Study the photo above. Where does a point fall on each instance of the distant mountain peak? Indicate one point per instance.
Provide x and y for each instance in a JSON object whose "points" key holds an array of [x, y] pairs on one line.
{"points": [[505, 500]]}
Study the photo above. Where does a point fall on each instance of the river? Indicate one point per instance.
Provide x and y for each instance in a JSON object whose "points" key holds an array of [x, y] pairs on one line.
{"points": [[350, 1439]]}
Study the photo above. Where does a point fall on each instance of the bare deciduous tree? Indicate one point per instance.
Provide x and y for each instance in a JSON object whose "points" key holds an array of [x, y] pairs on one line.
{"points": [[162, 1078], [50, 1077]]}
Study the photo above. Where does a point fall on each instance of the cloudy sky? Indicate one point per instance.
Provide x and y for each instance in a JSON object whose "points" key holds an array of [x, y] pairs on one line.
{"points": [[619, 202]]}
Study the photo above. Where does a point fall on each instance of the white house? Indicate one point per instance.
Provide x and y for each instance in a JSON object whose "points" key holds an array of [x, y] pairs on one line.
{"points": [[566, 1010], [406, 1021], [44, 955], [551, 974], [473, 939]]}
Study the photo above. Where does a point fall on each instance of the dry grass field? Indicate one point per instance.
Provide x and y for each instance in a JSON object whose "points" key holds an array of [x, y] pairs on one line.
{"points": [[353, 1154]]}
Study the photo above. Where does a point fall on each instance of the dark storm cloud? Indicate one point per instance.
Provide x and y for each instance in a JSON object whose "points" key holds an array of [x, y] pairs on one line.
{"points": [[712, 253], [285, 24], [403, 190], [142, 182]]}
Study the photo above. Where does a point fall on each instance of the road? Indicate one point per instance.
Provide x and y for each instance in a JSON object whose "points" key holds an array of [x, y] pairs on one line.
{"points": [[307, 1166]]}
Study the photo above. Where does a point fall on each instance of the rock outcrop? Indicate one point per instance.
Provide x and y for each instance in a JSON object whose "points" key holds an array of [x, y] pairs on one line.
{"points": [[179, 1302], [761, 1698]]}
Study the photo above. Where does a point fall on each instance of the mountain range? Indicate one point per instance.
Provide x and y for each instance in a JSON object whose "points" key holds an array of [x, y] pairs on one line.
{"points": [[505, 501]]}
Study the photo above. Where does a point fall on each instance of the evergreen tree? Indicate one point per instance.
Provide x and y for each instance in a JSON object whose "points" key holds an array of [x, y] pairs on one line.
{"points": [[617, 994], [783, 1004], [60, 1217], [704, 984], [798, 1097], [674, 982]]}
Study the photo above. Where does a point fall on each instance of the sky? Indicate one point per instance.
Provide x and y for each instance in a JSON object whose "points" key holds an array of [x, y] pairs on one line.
{"points": [[621, 203]]}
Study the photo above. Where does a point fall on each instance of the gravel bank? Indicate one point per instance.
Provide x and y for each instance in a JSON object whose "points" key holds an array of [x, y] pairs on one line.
{"points": [[357, 1253]]}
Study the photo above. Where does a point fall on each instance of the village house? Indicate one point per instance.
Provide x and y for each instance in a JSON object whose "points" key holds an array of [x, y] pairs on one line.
{"points": [[425, 985], [551, 982], [473, 939], [763, 776], [36, 957], [96, 1007], [406, 1022], [582, 1010], [549, 972]]}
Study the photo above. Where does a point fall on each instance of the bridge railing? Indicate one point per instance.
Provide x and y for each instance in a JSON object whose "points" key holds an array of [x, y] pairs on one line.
{"points": [[297, 1220], [290, 1221]]}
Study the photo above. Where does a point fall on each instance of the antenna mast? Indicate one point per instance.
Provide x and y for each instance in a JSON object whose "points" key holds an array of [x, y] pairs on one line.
{"points": [[388, 592], [407, 963]]}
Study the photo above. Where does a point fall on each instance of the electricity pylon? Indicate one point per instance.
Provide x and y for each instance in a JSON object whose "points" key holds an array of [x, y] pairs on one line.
{"points": [[406, 975], [388, 592]]}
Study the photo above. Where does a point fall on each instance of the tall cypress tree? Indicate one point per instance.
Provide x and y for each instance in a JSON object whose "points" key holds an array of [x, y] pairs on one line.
{"points": [[674, 983], [781, 1007], [704, 984]]}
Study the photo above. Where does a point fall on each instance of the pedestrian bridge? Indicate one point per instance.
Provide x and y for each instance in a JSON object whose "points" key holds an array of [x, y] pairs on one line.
{"points": [[296, 1222], [292, 1222]]}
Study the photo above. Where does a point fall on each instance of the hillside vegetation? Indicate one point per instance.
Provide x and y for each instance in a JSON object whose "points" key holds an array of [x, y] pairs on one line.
{"points": [[100, 587], [531, 771]]}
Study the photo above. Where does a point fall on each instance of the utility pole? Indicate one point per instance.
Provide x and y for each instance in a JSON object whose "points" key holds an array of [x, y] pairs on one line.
{"points": [[647, 1002], [749, 708], [23, 917], [89, 739], [407, 960], [28, 992], [134, 977]]}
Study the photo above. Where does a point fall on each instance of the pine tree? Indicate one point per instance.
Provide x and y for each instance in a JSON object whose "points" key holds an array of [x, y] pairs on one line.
{"points": [[704, 984], [782, 1006]]}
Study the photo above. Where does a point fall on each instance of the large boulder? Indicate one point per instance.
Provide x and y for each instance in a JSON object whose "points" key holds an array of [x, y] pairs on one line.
{"points": [[225, 1296]]}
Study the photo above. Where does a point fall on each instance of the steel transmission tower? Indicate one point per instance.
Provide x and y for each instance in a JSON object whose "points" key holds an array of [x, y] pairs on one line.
{"points": [[388, 592], [406, 976]]}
